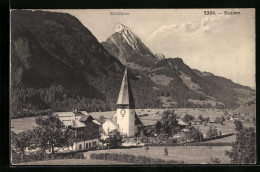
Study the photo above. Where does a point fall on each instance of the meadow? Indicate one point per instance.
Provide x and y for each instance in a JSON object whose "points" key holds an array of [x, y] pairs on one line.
{"points": [[187, 154], [73, 162]]}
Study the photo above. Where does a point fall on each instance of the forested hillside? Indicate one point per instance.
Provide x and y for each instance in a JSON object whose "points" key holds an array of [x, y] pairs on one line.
{"points": [[56, 63]]}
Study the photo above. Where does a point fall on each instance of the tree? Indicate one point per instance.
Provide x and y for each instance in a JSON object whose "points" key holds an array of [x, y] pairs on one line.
{"points": [[194, 134], [51, 133], [201, 118], [115, 139], [21, 141], [219, 120], [166, 125], [143, 138], [212, 132], [146, 148], [238, 125], [157, 127], [187, 118], [206, 119], [214, 160], [244, 148], [102, 119], [166, 151], [254, 121]]}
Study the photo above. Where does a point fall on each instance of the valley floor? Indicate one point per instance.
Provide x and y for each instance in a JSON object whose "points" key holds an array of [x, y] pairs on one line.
{"points": [[187, 154]]}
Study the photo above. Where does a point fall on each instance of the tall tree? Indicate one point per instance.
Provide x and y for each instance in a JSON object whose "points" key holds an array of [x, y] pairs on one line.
{"points": [[167, 123], [212, 132], [22, 140], [194, 134], [187, 118], [244, 148], [238, 125], [51, 133]]}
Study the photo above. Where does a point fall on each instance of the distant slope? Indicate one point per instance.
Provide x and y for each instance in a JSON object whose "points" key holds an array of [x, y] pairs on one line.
{"points": [[187, 84], [247, 108], [243, 94]]}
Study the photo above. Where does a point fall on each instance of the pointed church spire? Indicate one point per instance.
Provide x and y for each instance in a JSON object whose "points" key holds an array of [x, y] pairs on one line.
{"points": [[125, 97]]}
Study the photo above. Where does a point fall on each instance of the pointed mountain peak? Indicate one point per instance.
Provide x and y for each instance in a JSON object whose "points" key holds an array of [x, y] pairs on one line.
{"points": [[126, 44], [120, 28]]}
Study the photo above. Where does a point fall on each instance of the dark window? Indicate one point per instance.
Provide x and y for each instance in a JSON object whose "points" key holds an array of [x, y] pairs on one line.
{"points": [[94, 143], [86, 145], [89, 145], [80, 147]]}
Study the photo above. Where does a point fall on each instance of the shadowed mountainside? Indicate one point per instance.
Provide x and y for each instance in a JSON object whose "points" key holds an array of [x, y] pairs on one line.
{"points": [[57, 63]]}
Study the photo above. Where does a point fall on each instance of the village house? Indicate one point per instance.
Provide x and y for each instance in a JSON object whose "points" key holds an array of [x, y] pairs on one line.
{"points": [[196, 122], [87, 129], [181, 123]]}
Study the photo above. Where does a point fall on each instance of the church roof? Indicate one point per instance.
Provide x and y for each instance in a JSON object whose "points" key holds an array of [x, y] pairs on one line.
{"points": [[125, 95], [84, 118], [137, 120], [112, 121]]}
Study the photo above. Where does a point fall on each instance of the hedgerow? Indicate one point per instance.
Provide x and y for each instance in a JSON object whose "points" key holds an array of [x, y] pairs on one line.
{"points": [[131, 158]]}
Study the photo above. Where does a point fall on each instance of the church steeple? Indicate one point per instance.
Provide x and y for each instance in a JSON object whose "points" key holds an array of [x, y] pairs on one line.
{"points": [[125, 97], [125, 114]]}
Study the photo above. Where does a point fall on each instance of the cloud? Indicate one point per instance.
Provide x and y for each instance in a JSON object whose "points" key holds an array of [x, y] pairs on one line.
{"points": [[222, 45], [205, 25]]}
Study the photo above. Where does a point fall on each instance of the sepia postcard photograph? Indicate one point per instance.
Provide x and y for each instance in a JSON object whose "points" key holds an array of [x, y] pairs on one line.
{"points": [[132, 86]]}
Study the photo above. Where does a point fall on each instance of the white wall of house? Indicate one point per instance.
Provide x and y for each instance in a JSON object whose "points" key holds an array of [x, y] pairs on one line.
{"points": [[109, 126], [85, 144]]}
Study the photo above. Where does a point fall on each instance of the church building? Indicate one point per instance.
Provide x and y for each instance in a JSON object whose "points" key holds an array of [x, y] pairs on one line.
{"points": [[126, 120]]}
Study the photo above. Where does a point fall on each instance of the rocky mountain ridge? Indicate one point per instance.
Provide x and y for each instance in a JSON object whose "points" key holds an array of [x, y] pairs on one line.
{"points": [[125, 45]]}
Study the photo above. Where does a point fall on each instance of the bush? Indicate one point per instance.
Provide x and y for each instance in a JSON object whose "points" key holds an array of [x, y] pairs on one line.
{"points": [[130, 158], [238, 125], [209, 144], [40, 156], [214, 160], [212, 132]]}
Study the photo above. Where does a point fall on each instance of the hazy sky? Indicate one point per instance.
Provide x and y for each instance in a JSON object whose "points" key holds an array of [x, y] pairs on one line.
{"points": [[221, 44]]}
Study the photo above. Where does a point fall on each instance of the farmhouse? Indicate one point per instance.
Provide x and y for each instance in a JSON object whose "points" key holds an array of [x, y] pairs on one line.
{"points": [[109, 125], [182, 124], [196, 122], [86, 128], [126, 120]]}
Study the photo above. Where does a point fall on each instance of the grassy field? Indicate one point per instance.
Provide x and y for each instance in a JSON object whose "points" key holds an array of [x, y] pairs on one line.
{"points": [[22, 124], [187, 154], [73, 162]]}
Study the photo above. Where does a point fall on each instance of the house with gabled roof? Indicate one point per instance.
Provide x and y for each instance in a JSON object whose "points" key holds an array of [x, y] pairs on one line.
{"points": [[86, 128]]}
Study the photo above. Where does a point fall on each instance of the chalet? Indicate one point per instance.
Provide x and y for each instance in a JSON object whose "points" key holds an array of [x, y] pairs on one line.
{"points": [[196, 122], [86, 128], [184, 130], [126, 120], [109, 125], [182, 124]]}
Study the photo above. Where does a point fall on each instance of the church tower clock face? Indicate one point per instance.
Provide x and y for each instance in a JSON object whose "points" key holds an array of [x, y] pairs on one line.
{"points": [[122, 112]]}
